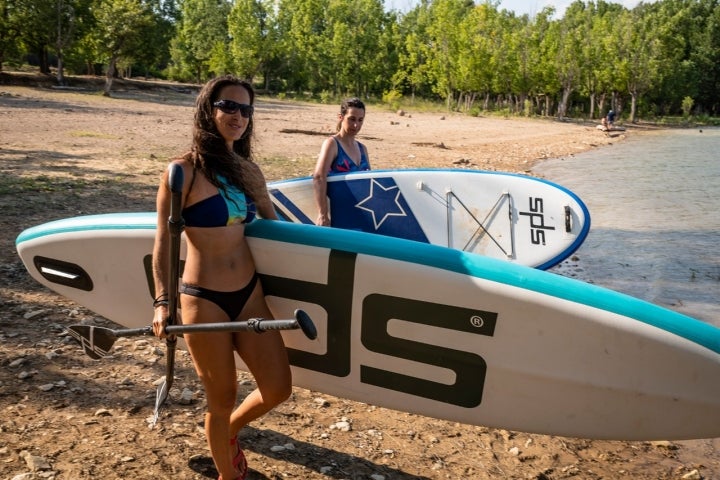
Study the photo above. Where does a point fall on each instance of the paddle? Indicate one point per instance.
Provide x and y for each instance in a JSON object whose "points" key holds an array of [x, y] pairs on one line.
{"points": [[176, 224], [97, 341]]}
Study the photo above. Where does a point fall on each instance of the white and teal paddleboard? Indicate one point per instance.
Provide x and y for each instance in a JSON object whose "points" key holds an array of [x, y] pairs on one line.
{"points": [[430, 330], [512, 217]]}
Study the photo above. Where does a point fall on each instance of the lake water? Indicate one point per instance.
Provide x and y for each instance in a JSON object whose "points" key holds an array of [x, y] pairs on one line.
{"points": [[655, 223]]}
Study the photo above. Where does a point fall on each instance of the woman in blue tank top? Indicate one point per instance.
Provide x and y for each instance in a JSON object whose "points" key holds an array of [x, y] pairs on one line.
{"points": [[340, 153]]}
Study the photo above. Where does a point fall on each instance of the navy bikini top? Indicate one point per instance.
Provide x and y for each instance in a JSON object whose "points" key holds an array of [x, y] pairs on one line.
{"points": [[229, 206]]}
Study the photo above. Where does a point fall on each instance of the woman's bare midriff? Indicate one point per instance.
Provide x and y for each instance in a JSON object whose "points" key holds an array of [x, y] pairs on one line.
{"points": [[218, 258]]}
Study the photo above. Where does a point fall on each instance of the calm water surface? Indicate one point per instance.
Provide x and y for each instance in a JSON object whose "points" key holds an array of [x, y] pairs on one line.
{"points": [[655, 232]]}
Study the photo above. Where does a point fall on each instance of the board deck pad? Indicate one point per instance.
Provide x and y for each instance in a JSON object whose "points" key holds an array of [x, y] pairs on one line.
{"points": [[430, 330], [512, 217]]}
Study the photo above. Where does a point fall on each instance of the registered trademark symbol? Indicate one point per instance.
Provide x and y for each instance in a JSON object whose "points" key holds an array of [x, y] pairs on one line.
{"points": [[477, 321]]}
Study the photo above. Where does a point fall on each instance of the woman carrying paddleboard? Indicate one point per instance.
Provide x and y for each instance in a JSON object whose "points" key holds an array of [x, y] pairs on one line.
{"points": [[222, 192], [340, 153]]}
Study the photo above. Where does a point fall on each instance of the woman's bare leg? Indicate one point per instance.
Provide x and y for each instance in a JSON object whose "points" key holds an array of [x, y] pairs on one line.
{"points": [[267, 359], [213, 357]]}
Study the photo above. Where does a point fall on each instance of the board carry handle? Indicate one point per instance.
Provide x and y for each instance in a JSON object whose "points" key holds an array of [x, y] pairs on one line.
{"points": [[568, 219], [97, 341]]}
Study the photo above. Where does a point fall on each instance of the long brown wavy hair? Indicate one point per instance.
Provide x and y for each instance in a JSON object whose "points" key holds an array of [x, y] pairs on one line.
{"points": [[209, 153]]}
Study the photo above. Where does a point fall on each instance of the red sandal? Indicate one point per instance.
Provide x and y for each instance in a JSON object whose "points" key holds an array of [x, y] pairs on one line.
{"points": [[239, 460]]}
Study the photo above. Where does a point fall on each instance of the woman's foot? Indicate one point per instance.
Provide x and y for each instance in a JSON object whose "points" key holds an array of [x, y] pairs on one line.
{"points": [[239, 461]]}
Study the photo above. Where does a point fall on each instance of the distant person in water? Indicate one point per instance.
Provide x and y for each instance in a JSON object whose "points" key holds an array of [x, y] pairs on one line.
{"points": [[340, 153]]}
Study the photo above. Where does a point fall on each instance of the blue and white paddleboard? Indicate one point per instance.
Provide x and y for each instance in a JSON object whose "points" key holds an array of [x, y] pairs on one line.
{"points": [[430, 330], [512, 217]]}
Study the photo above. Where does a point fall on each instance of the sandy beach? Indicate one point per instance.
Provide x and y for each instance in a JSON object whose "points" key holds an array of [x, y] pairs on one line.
{"points": [[72, 152]]}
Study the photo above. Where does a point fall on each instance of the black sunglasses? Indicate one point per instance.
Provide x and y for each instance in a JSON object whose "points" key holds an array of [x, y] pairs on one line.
{"points": [[230, 107]]}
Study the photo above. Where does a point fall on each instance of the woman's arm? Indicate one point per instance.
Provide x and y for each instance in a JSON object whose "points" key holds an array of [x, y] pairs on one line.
{"points": [[328, 152], [161, 254], [367, 155]]}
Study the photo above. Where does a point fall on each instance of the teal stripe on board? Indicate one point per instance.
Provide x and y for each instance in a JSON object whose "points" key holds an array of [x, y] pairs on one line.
{"points": [[108, 221], [498, 271]]}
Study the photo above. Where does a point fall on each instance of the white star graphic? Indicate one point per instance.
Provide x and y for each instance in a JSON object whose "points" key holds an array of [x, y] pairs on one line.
{"points": [[382, 201]]}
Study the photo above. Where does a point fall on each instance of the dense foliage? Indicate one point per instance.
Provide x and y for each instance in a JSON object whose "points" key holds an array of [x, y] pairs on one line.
{"points": [[657, 59]]}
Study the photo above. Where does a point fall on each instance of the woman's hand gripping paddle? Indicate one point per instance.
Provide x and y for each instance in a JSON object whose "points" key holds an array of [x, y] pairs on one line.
{"points": [[176, 224], [97, 341]]}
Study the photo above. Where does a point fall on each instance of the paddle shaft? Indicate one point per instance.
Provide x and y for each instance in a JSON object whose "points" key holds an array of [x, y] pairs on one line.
{"points": [[97, 341], [258, 325], [176, 224]]}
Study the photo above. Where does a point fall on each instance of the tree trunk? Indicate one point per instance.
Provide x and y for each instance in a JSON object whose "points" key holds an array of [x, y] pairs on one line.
{"points": [[109, 76], [60, 69], [633, 105], [562, 108], [43, 59]]}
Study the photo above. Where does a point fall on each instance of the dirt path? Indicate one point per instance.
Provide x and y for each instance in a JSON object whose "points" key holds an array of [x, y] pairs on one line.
{"points": [[66, 153]]}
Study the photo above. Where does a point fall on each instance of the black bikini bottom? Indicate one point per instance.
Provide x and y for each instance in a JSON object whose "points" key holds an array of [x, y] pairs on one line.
{"points": [[232, 303]]}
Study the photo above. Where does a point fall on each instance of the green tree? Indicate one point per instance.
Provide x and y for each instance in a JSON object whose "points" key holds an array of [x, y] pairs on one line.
{"points": [[601, 81], [569, 60], [304, 44], [72, 20], [505, 61], [121, 28], [386, 62], [36, 20], [201, 38], [690, 37], [706, 57], [411, 72], [442, 51], [547, 78], [154, 56], [638, 48], [10, 30], [478, 36], [252, 36], [597, 54], [354, 30], [523, 49]]}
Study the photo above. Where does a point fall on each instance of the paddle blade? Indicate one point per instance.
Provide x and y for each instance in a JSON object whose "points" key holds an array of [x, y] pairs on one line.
{"points": [[95, 341], [163, 391], [160, 396]]}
